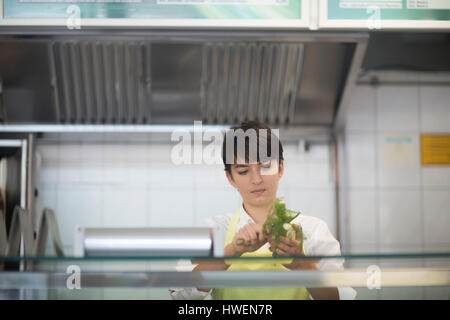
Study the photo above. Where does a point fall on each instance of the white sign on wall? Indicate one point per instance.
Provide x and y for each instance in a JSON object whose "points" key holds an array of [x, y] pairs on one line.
{"points": [[399, 150]]}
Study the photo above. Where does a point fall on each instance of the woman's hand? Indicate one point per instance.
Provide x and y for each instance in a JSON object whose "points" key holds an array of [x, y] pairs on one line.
{"points": [[289, 247], [249, 238], [293, 247]]}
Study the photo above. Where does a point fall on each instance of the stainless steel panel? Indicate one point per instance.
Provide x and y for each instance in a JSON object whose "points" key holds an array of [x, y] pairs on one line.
{"points": [[136, 77], [3, 236], [323, 77], [147, 242], [26, 85]]}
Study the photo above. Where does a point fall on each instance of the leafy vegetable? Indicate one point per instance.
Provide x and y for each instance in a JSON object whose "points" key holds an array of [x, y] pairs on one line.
{"points": [[278, 222]]}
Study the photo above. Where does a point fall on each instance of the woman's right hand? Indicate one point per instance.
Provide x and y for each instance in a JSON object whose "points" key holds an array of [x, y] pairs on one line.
{"points": [[249, 238]]}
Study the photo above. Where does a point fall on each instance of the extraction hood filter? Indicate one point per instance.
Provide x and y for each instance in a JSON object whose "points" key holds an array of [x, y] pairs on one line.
{"points": [[99, 82], [243, 81]]}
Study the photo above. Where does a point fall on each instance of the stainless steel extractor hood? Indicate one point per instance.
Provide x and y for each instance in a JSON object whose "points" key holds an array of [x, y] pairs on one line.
{"points": [[167, 77]]}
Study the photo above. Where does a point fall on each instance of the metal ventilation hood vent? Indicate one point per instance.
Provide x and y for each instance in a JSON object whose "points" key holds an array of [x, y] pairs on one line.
{"points": [[282, 78]]}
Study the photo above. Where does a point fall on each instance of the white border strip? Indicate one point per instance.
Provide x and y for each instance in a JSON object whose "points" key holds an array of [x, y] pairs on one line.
{"points": [[107, 128], [169, 23], [303, 23], [385, 24], [10, 143]]}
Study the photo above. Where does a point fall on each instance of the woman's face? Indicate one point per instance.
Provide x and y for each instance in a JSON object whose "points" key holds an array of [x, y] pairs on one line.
{"points": [[257, 183]]}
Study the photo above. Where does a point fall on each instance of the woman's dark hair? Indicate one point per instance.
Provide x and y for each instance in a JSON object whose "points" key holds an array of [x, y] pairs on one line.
{"points": [[264, 138]]}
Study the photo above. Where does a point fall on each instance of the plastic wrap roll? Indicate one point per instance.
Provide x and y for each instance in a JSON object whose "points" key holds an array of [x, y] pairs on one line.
{"points": [[147, 242]]}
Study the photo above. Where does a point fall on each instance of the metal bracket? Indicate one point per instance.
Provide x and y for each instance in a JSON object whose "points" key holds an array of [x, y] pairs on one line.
{"points": [[3, 239], [48, 223], [2, 111], [21, 228]]}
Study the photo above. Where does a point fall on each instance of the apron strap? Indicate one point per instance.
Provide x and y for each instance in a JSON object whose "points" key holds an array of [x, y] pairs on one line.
{"points": [[232, 226]]}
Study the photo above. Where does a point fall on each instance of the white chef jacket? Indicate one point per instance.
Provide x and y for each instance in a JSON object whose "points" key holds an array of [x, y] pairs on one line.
{"points": [[319, 242]]}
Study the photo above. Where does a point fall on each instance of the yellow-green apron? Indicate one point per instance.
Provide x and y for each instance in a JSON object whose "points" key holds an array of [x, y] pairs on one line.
{"points": [[271, 293]]}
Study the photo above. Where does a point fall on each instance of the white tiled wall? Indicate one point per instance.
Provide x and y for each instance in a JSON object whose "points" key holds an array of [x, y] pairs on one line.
{"points": [[436, 206], [392, 205], [360, 154], [434, 108], [404, 204], [396, 205], [362, 220], [400, 216], [136, 185], [397, 108]]}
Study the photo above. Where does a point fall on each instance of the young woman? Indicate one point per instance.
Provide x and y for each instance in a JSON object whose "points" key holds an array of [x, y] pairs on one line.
{"points": [[257, 183]]}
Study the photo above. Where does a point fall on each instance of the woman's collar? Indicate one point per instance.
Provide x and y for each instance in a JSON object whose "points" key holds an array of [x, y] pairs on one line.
{"points": [[244, 216]]}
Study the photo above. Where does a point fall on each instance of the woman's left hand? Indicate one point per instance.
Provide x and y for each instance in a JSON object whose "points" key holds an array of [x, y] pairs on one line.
{"points": [[289, 247], [293, 247]]}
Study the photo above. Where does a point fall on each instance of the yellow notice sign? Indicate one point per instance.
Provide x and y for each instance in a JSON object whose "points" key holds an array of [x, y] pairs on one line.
{"points": [[435, 149]]}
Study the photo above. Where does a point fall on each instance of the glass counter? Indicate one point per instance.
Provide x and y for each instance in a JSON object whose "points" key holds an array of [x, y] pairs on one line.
{"points": [[373, 276]]}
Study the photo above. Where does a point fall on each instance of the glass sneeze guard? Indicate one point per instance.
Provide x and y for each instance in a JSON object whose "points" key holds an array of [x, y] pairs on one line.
{"points": [[395, 270]]}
